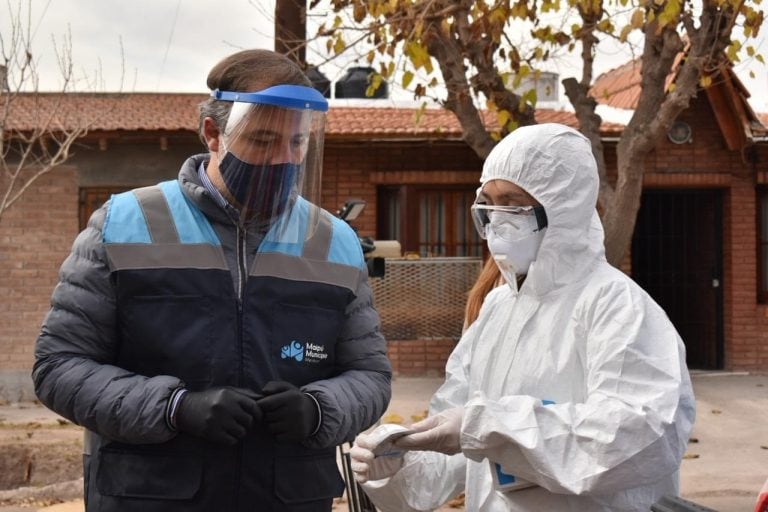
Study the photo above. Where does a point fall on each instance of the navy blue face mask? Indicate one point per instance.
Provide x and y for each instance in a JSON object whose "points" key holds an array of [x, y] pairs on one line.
{"points": [[262, 191]]}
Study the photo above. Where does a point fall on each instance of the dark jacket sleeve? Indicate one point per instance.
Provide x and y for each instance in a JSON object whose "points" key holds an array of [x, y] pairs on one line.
{"points": [[355, 399], [74, 373]]}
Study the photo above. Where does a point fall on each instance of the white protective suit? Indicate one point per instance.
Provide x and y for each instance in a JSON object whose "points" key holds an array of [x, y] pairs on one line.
{"points": [[579, 333]]}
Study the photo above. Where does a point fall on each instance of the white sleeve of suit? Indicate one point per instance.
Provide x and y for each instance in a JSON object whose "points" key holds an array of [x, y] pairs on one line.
{"points": [[631, 430], [429, 479]]}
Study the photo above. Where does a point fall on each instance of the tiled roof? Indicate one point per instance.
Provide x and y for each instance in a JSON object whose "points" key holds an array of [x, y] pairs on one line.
{"points": [[620, 87], [763, 118], [177, 111]]}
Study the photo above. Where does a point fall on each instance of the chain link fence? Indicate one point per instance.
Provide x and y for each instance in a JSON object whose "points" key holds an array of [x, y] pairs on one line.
{"points": [[424, 298]]}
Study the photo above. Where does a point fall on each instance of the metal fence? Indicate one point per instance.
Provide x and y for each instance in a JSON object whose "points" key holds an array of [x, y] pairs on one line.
{"points": [[424, 298]]}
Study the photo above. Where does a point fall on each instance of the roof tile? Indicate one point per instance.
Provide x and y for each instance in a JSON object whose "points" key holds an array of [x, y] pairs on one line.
{"points": [[178, 111]]}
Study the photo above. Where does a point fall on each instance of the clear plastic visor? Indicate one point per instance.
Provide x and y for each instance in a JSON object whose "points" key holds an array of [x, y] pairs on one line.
{"points": [[510, 223], [271, 154]]}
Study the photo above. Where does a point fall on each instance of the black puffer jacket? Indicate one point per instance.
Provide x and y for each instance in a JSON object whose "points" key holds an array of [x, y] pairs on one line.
{"points": [[123, 333]]}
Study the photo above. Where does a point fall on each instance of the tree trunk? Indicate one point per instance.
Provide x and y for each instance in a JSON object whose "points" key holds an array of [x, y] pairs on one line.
{"points": [[291, 29], [621, 213]]}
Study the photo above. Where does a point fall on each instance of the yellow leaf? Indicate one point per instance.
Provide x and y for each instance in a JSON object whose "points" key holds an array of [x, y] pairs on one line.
{"points": [[419, 56], [498, 15], [420, 112], [375, 79], [705, 81], [759, 58], [339, 46], [672, 87], [625, 33], [503, 117], [637, 18], [407, 77], [337, 22], [528, 98], [392, 418], [733, 51], [445, 27]]}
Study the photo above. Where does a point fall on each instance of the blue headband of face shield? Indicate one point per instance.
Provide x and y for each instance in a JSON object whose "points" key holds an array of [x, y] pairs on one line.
{"points": [[286, 96]]}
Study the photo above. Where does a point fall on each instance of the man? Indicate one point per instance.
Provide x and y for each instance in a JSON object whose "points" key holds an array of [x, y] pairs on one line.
{"points": [[215, 334], [570, 390]]}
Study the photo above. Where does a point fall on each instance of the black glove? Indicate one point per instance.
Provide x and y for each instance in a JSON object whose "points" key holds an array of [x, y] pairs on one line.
{"points": [[222, 415], [290, 414]]}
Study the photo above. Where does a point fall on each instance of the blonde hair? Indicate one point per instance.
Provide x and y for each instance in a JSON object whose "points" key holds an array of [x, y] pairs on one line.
{"points": [[489, 278]]}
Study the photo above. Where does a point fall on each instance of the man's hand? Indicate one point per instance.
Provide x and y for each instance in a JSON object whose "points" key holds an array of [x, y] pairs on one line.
{"points": [[222, 415], [290, 414]]}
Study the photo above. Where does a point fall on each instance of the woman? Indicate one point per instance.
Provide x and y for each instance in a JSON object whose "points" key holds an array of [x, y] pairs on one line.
{"points": [[570, 390]]}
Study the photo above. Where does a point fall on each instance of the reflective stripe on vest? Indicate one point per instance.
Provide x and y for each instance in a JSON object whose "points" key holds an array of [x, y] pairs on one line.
{"points": [[157, 227]]}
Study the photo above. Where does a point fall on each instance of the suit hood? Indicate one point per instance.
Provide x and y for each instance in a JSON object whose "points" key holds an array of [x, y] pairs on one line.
{"points": [[555, 165]]}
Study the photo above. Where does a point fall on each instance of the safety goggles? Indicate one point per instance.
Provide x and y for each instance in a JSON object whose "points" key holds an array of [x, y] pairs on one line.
{"points": [[508, 222]]}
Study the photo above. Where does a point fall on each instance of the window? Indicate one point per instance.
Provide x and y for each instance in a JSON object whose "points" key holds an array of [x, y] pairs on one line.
{"points": [[762, 245], [92, 198], [429, 221]]}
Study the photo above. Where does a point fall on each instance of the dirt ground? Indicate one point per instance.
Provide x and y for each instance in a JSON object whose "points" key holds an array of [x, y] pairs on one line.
{"points": [[724, 468], [37, 455]]}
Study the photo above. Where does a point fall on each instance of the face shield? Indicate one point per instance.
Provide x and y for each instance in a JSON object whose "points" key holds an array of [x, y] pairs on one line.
{"points": [[272, 149]]}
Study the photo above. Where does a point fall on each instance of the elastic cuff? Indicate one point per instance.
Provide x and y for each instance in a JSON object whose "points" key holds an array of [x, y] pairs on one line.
{"points": [[319, 414], [172, 407]]}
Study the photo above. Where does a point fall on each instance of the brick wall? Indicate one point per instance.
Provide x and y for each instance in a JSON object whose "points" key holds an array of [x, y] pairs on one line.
{"points": [[419, 357], [348, 167], [36, 234], [707, 163]]}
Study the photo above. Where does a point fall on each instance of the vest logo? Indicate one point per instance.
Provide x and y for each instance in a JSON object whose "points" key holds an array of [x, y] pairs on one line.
{"points": [[294, 350], [306, 353]]}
